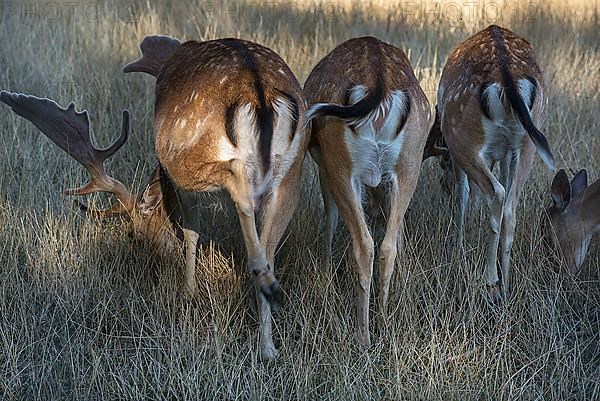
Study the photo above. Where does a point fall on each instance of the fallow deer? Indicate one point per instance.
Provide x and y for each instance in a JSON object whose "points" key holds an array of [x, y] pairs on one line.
{"points": [[573, 218], [229, 114], [152, 210], [370, 121], [491, 99]]}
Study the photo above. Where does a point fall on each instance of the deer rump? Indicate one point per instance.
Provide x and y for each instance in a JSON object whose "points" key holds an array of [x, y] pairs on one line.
{"points": [[261, 135], [506, 108], [374, 121]]}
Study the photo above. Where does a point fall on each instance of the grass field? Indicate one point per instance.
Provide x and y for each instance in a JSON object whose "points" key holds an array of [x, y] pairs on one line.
{"points": [[85, 313]]}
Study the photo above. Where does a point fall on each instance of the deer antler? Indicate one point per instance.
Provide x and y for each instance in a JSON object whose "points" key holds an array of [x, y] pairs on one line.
{"points": [[70, 130], [156, 50]]}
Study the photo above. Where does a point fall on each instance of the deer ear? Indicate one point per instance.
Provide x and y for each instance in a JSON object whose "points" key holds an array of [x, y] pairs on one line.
{"points": [[561, 190], [579, 183], [152, 196]]}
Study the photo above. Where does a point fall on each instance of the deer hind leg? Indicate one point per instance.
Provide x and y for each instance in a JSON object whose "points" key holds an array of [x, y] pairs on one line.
{"points": [[508, 168], [331, 217], [191, 247], [189, 210], [267, 289], [278, 212], [494, 194], [515, 174], [348, 201], [461, 193], [402, 189], [279, 209], [329, 206]]}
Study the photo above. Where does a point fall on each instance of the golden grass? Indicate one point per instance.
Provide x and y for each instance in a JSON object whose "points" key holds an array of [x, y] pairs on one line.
{"points": [[87, 314]]}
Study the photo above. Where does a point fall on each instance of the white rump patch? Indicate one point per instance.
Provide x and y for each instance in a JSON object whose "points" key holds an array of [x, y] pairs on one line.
{"points": [[526, 91], [283, 110], [283, 152], [246, 134], [393, 107], [492, 96], [504, 131], [375, 144], [247, 150], [357, 93]]}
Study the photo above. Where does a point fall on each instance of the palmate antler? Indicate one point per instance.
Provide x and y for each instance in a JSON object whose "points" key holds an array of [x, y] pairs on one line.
{"points": [[156, 50], [70, 130]]}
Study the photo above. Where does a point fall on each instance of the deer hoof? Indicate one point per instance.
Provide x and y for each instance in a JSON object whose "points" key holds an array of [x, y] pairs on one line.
{"points": [[268, 353], [189, 292], [494, 294], [363, 339], [273, 294]]}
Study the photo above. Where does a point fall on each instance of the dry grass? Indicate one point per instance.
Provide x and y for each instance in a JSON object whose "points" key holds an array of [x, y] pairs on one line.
{"points": [[86, 314]]}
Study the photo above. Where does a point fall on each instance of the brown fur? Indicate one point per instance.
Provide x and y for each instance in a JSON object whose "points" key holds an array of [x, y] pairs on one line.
{"points": [[381, 68], [474, 63], [367, 61], [198, 91], [188, 88]]}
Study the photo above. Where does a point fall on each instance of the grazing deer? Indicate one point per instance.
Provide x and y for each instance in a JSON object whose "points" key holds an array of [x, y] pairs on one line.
{"points": [[573, 218], [370, 121], [150, 212], [229, 115], [491, 99]]}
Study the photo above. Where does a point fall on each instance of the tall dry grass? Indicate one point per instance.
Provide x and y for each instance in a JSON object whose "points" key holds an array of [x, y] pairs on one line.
{"points": [[87, 314]]}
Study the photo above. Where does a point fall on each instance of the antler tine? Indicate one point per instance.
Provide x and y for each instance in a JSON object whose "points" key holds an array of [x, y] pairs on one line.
{"points": [[120, 141], [112, 210], [70, 130]]}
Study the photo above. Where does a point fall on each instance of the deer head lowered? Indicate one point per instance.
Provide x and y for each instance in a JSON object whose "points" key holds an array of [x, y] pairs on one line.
{"points": [[150, 216], [573, 218], [229, 114], [436, 147]]}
